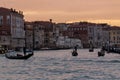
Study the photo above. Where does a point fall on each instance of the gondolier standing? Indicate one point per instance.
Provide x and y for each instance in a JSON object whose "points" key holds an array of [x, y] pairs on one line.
{"points": [[74, 53], [75, 48], [24, 50]]}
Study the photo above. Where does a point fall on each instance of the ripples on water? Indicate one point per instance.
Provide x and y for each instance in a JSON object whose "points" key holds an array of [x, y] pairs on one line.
{"points": [[60, 65]]}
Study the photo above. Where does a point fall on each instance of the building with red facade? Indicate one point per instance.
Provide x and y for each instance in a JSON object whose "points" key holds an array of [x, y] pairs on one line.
{"points": [[79, 31], [89, 33]]}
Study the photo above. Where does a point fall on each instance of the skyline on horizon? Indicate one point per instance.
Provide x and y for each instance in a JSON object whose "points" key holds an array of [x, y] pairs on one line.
{"points": [[103, 11]]}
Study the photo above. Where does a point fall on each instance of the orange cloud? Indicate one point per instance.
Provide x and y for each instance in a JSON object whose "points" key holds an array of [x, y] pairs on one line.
{"points": [[67, 10]]}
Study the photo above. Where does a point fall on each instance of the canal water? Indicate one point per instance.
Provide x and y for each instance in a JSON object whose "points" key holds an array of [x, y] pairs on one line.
{"points": [[61, 65]]}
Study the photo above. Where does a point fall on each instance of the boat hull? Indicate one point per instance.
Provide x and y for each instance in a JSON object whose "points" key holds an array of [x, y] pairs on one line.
{"points": [[19, 57], [101, 54], [74, 53]]}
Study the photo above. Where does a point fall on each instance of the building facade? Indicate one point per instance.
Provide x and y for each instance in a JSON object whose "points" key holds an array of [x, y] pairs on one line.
{"points": [[45, 33], [98, 34], [29, 35], [114, 36], [12, 28], [79, 31]]}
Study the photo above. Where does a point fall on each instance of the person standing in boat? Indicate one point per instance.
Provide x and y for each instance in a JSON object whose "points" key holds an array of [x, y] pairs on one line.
{"points": [[74, 53], [75, 48], [24, 50]]}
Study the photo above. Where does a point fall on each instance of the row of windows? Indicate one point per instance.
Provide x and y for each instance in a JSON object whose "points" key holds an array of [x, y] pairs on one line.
{"points": [[15, 21], [116, 38], [117, 32], [7, 20], [114, 41], [77, 28]]}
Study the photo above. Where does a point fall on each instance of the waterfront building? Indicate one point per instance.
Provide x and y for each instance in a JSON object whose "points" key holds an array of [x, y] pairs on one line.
{"points": [[89, 33], [98, 34], [79, 31], [62, 27], [12, 34], [106, 36], [59, 38], [38, 35], [114, 36], [66, 42], [29, 34], [44, 33]]}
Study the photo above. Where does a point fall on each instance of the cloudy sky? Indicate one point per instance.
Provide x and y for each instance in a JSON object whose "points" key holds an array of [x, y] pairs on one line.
{"points": [[68, 10]]}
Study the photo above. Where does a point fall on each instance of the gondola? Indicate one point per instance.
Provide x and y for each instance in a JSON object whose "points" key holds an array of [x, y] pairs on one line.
{"points": [[101, 53], [74, 53], [27, 54], [19, 56], [91, 50]]}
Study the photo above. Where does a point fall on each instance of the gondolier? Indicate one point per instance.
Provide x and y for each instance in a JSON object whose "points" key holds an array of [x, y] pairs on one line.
{"points": [[24, 50], [75, 48], [74, 53]]}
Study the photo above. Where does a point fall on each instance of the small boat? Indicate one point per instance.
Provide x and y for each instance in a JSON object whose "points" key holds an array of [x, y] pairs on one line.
{"points": [[91, 50], [101, 53], [19, 56], [74, 53]]}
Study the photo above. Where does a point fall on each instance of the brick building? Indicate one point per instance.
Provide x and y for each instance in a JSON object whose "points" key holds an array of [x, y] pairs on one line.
{"points": [[79, 31]]}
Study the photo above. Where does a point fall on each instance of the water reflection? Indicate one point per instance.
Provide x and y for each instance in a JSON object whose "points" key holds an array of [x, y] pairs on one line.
{"points": [[60, 65]]}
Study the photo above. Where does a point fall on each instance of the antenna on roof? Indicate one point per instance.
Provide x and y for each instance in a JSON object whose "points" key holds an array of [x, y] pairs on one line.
{"points": [[50, 20]]}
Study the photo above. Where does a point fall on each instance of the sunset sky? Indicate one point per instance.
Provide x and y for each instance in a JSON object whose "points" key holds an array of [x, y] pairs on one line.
{"points": [[106, 11]]}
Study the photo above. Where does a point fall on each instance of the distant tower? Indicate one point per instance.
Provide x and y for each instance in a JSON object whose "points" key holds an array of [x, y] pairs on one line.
{"points": [[50, 20]]}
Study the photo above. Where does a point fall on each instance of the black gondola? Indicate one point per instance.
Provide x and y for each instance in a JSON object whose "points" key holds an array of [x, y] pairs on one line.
{"points": [[91, 50], [74, 53], [27, 54], [101, 53], [19, 56]]}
